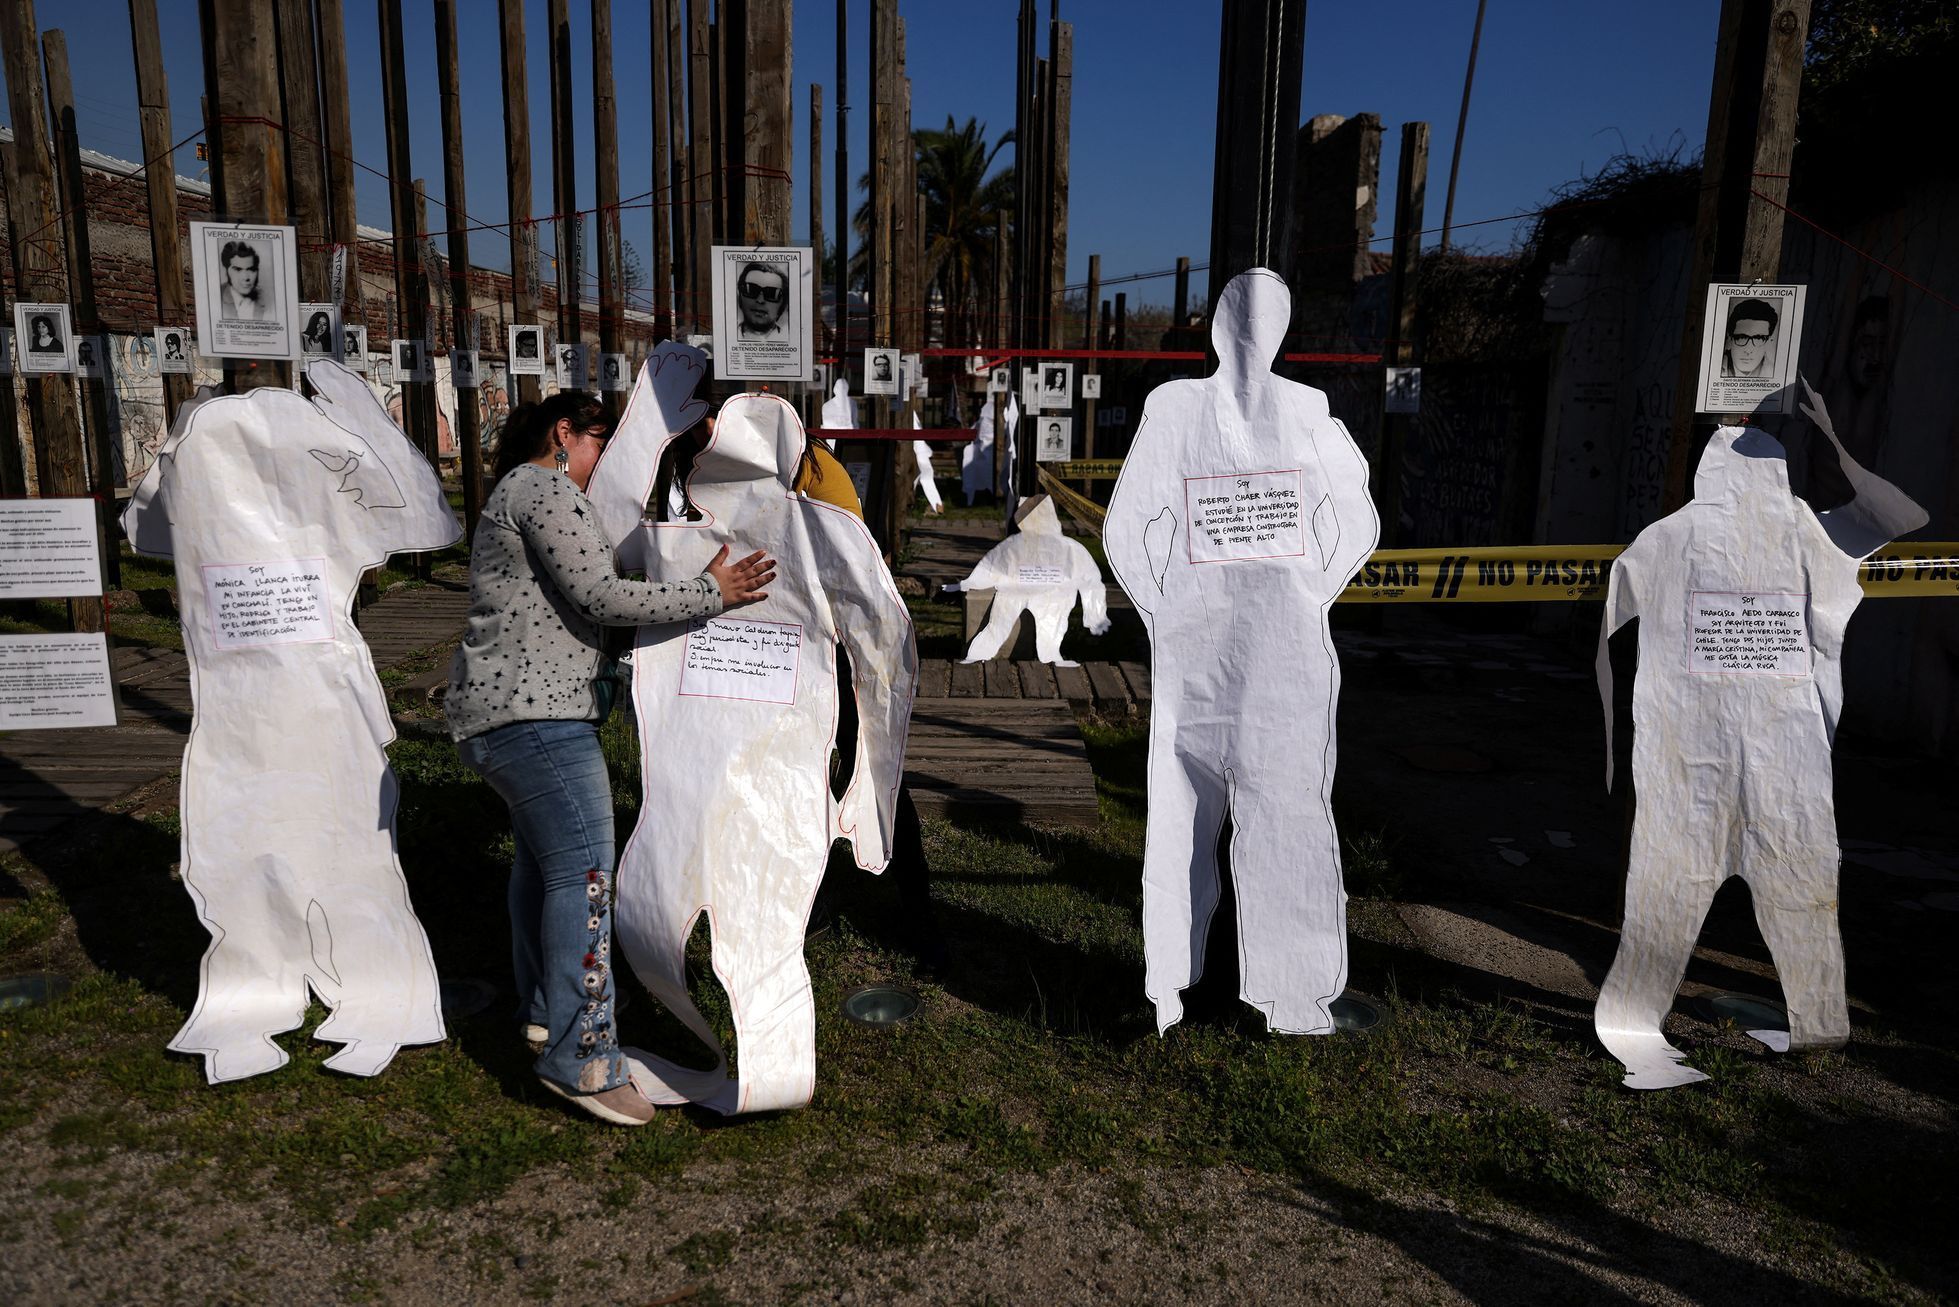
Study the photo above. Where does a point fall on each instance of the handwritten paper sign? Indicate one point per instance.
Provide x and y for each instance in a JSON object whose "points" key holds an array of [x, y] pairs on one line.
{"points": [[268, 603], [1762, 634], [48, 549], [1040, 574], [1243, 515], [732, 658], [55, 680]]}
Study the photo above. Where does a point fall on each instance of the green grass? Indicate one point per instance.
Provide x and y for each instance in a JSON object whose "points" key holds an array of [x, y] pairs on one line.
{"points": [[1036, 1050]]}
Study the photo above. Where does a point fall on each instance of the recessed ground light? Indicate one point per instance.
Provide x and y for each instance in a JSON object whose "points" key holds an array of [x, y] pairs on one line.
{"points": [[31, 990], [880, 1005], [1350, 1013]]}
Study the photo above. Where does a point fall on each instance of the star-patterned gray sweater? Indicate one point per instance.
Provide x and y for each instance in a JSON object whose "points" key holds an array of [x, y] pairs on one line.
{"points": [[541, 584]]}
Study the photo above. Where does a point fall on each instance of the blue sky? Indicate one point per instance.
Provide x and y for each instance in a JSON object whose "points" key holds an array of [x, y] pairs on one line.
{"points": [[1560, 88]]}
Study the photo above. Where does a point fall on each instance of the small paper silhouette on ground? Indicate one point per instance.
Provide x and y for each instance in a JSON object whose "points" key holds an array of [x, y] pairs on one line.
{"points": [[1038, 571]]}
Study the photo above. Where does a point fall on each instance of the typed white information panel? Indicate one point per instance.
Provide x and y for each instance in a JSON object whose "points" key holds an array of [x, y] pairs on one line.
{"points": [[55, 680], [48, 549]]}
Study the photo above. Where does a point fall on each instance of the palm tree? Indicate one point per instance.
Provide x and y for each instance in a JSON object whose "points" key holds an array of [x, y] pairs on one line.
{"points": [[964, 206]]}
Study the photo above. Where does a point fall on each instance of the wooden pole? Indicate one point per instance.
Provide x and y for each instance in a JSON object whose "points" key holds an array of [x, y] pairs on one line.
{"points": [[605, 156], [663, 196], [81, 284], [564, 175], [462, 306], [1106, 332], [679, 213], [60, 467], [1091, 366], [1002, 338], [299, 85], [701, 161], [1411, 191], [1180, 301], [1122, 320], [842, 323], [251, 176], [160, 176], [1462, 121], [1061, 79], [13, 462], [816, 207], [769, 124], [1261, 57], [517, 167], [339, 136], [1751, 137]]}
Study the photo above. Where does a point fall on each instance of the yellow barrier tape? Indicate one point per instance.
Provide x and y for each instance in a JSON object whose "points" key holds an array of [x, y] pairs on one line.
{"points": [[1080, 507], [1088, 469], [1501, 574]]}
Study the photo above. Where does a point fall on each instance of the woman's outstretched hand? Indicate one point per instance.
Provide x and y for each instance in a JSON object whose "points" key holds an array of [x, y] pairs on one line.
{"points": [[741, 583]]}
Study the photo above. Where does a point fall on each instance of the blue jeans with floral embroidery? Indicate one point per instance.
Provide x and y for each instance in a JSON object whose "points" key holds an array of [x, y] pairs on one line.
{"points": [[553, 777]]}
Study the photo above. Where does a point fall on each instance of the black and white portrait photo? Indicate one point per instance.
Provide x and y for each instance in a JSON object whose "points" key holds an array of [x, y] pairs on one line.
{"points": [[1000, 381], [1091, 385], [527, 351], [1057, 385], [762, 313], [1404, 391], [880, 372], [319, 332], [91, 356], [412, 361], [1748, 349], [574, 364], [172, 350], [1054, 439], [463, 369], [615, 372], [353, 347], [45, 338], [246, 279]]}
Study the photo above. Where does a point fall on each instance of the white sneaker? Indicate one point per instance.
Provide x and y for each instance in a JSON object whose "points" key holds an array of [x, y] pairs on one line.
{"points": [[621, 1106], [535, 1034]]}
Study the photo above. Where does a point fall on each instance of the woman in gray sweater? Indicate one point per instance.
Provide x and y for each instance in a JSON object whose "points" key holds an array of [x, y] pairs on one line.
{"points": [[524, 713]]}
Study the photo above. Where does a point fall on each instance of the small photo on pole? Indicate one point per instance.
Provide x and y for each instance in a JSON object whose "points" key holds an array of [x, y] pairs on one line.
{"points": [[1748, 349], [319, 332], [1054, 439], [173, 350], [615, 372], [411, 360], [574, 364], [1000, 381], [1057, 385], [881, 368], [1404, 391], [527, 351], [1091, 385], [465, 369], [45, 338], [353, 347], [92, 357]]}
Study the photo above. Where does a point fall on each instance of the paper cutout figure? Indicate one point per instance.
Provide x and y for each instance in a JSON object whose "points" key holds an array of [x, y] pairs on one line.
{"points": [[839, 411], [976, 460], [1037, 570], [272, 506], [739, 823], [923, 453], [1742, 597], [1241, 513]]}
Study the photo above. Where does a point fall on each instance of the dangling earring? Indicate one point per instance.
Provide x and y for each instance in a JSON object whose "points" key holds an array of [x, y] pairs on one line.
{"points": [[564, 458]]}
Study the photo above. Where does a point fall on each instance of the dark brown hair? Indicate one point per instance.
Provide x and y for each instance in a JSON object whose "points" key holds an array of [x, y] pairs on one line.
{"points": [[527, 431]]}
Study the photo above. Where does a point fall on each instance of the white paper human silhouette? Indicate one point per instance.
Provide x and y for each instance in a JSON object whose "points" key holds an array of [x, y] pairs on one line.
{"points": [[976, 460], [1039, 571], [1742, 597], [272, 506], [1241, 513], [923, 453], [839, 411], [739, 822]]}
